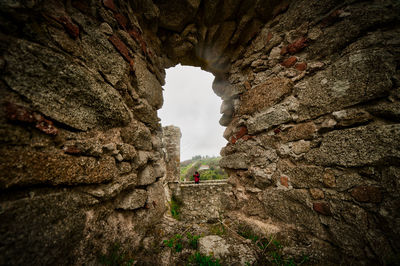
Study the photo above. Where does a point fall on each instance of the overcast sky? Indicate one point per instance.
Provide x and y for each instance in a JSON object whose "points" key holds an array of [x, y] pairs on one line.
{"points": [[191, 104]]}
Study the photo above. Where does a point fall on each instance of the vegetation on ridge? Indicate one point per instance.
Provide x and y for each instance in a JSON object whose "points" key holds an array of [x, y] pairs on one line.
{"points": [[214, 172]]}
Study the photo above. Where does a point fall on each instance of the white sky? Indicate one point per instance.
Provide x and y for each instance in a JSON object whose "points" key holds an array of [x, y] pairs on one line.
{"points": [[191, 104]]}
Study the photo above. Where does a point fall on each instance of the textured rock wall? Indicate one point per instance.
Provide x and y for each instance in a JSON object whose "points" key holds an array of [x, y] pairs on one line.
{"points": [[172, 145], [204, 202], [81, 154], [314, 136], [310, 93]]}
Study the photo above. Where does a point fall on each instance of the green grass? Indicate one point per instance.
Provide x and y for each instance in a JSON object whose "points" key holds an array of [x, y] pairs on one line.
{"points": [[218, 229], [269, 249], [193, 240], [175, 243], [175, 205], [201, 260]]}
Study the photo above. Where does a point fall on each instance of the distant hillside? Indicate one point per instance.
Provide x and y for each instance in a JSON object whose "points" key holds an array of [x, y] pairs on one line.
{"points": [[208, 167]]}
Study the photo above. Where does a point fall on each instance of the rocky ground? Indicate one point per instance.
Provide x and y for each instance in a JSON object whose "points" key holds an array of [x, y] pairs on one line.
{"points": [[224, 242]]}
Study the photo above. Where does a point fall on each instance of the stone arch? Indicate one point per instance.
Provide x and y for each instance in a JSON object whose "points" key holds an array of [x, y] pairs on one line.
{"points": [[311, 99]]}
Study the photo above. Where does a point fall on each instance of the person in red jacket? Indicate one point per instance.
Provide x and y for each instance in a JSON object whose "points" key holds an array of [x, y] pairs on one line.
{"points": [[196, 177]]}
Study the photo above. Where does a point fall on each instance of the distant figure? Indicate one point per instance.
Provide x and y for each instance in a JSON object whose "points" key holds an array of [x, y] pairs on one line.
{"points": [[196, 177]]}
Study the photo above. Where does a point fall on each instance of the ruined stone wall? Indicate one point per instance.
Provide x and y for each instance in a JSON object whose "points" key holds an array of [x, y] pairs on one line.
{"points": [[203, 202], [81, 155], [315, 130], [311, 104], [172, 146]]}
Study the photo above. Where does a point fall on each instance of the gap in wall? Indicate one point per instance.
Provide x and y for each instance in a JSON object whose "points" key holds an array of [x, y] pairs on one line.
{"points": [[191, 105]]}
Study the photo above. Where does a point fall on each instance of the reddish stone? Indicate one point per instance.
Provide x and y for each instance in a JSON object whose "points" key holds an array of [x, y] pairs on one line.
{"points": [[121, 19], [269, 37], [19, 113], [109, 4], [277, 131], [247, 85], [284, 50], [242, 131], [233, 140], [71, 28], [284, 181], [297, 45], [247, 137], [367, 194], [322, 208], [72, 150], [121, 47], [46, 126], [301, 66], [289, 62], [138, 37]]}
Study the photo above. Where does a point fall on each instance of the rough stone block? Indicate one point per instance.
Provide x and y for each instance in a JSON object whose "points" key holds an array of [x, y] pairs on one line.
{"points": [[137, 135], [132, 200], [322, 208], [289, 62], [127, 151], [235, 161], [300, 131], [213, 246], [175, 15], [267, 119], [265, 95], [367, 194], [147, 176], [21, 167], [316, 193], [148, 85], [62, 101], [301, 66], [365, 145], [351, 117], [345, 83]]}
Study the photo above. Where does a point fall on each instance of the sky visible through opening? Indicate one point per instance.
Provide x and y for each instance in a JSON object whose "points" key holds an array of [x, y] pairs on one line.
{"points": [[191, 104]]}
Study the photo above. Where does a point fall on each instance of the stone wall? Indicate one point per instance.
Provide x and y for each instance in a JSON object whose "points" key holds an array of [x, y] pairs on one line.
{"points": [[81, 154], [310, 93], [313, 130], [203, 202], [172, 146]]}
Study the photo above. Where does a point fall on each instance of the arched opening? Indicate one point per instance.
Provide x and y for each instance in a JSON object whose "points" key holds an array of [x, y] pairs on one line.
{"points": [[190, 104], [311, 99]]}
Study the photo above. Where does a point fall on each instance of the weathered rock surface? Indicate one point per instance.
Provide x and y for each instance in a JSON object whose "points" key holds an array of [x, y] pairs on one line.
{"points": [[368, 145], [214, 246], [99, 104], [310, 95], [31, 168]]}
